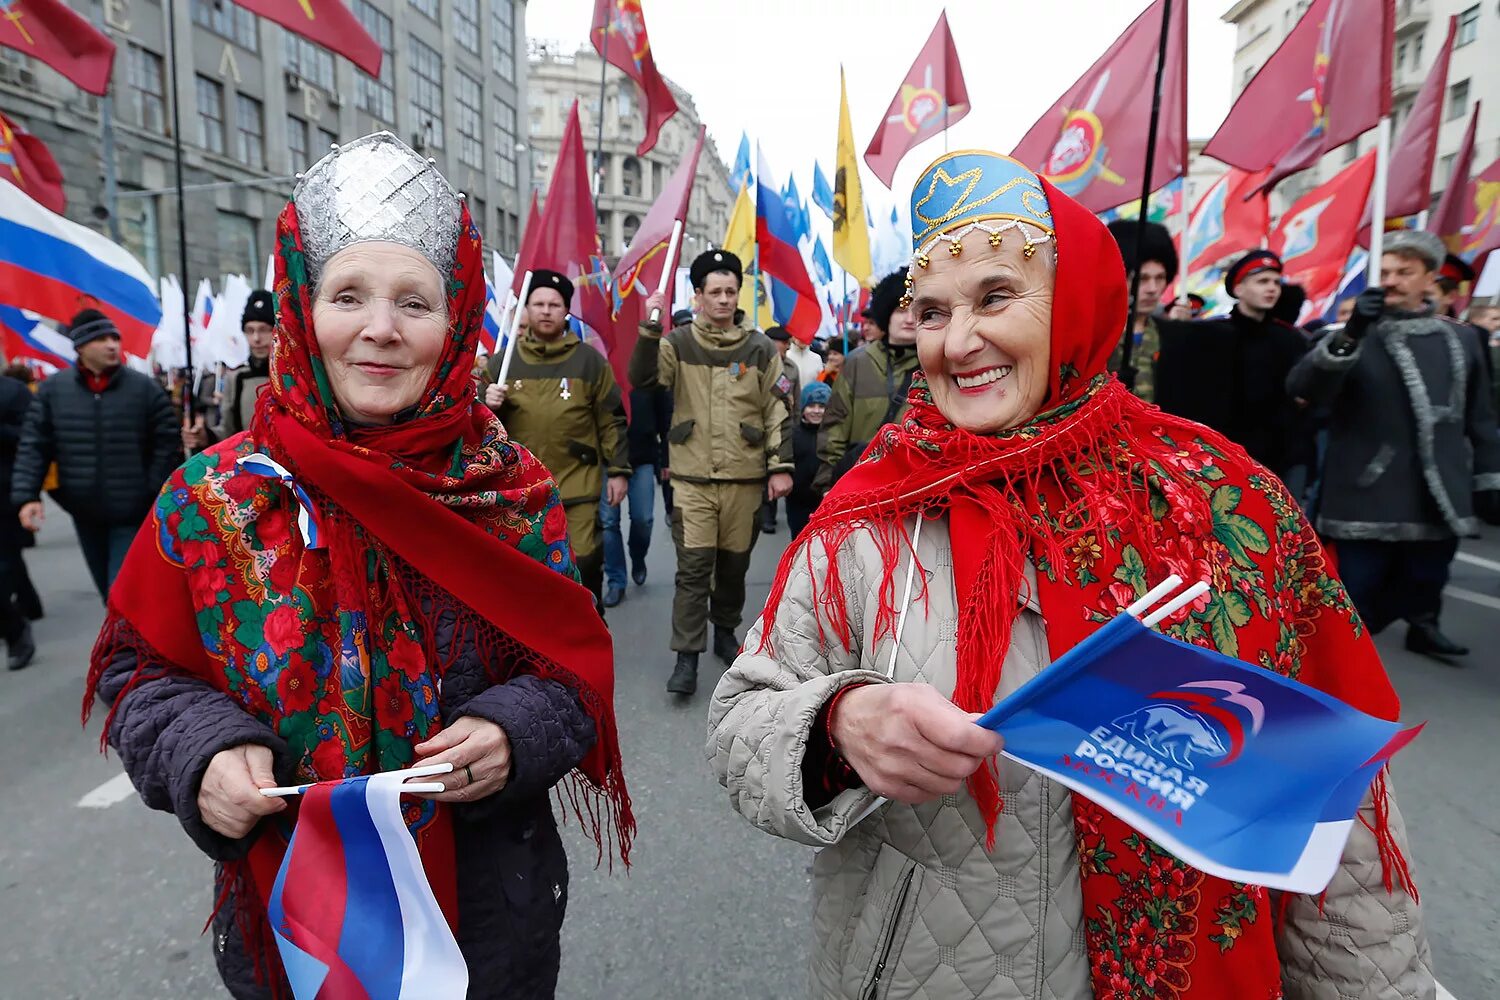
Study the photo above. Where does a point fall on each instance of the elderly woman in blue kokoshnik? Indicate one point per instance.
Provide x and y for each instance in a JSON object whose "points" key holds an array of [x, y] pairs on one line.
{"points": [[371, 577], [1026, 499]]}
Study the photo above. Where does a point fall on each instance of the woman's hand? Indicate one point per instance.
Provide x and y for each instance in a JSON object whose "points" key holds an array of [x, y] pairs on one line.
{"points": [[909, 743], [480, 754], [229, 798]]}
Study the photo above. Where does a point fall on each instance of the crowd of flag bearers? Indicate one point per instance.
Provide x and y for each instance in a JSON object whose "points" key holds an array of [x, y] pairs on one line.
{"points": [[1033, 413]]}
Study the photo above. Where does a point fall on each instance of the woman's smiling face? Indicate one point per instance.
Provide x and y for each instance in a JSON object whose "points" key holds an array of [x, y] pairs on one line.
{"points": [[984, 331]]}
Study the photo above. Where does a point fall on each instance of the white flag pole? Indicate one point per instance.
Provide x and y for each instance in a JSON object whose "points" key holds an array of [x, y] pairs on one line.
{"points": [[668, 266], [515, 324], [426, 770], [1377, 200]]}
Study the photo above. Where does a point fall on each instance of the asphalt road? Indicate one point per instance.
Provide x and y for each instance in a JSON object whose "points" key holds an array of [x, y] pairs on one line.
{"points": [[102, 898]]}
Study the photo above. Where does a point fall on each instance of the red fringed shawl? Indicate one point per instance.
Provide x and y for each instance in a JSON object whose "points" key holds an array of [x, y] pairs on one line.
{"points": [[1107, 496], [330, 645]]}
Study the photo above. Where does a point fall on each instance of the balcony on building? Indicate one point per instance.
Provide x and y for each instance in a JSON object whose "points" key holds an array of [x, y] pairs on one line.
{"points": [[1412, 15]]}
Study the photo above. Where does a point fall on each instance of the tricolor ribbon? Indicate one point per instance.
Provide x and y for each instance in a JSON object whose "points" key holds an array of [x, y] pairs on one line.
{"points": [[307, 520]]}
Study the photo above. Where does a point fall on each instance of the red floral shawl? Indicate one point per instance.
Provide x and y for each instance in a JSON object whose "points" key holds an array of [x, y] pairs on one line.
{"points": [[329, 644], [1106, 496]]}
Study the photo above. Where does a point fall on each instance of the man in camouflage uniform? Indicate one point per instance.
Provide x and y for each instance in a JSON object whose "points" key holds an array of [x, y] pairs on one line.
{"points": [[870, 391], [561, 401], [730, 446], [1157, 259]]}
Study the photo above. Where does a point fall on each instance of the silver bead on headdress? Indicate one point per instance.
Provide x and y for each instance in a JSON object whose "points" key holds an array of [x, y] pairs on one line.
{"points": [[377, 188]]}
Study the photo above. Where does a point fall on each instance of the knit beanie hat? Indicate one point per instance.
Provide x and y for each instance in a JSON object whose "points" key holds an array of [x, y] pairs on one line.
{"points": [[816, 393], [259, 308], [91, 324]]}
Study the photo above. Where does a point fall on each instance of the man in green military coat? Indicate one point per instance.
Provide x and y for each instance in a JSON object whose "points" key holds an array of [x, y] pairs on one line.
{"points": [[730, 446], [870, 391], [561, 401]]}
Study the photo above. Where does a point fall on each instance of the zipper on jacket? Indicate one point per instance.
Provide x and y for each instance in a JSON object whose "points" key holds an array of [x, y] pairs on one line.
{"points": [[1044, 895], [890, 934]]}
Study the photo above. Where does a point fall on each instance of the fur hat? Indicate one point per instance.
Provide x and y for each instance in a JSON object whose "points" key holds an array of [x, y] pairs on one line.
{"points": [[1156, 244]]}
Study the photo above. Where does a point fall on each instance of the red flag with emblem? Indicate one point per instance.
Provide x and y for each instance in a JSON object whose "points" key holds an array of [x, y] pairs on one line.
{"points": [[1092, 142], [1482, 234], [1316, 235], [328, 23], [619, 36], [50, 32], [1448, 218], [1229, 219], [1328, 82], [932, 97], [27, 163]]}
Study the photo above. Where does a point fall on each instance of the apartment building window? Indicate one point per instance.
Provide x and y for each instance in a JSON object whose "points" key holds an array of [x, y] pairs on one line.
{"points": [[250, 128], [377, 96], [1351, 150], [140, 232], [466, 24], [503, 37], [296, 143], [1468, 27], [1445, 169], [227, 20], [470, 121], [630, 177], [238, 252], [1416, 51], [505, 141], [147, 79], [210, 115], [428, 7], [1458, 100], [326, 139], [480, 214], [309, 61], [427, 92]]}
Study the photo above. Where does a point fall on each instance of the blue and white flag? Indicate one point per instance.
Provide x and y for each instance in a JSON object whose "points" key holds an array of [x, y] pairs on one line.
{"points": [[822, 193], [1236, 770]]}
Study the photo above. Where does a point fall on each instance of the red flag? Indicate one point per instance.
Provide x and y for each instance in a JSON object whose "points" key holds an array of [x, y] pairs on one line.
{"points": [[931, 98], [639, 271], [49, 31], [1409, 181], [619, 36], [27, 163], [1316, 234], [529, 237], [1230, 218], [1448, 218], [1092, 142], [328, 23], [1329, 82], [1483, 209]]}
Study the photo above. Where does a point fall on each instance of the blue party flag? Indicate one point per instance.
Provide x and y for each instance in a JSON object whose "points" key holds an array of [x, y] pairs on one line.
{"points": [[822, 192]]}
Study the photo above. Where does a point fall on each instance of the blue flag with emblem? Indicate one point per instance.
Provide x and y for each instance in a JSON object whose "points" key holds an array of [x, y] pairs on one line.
{"points": [[821, 263], [741, 174], [1238, 771]]}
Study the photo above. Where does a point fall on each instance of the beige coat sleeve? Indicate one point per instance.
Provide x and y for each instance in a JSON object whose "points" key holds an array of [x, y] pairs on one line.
{"points": [[764, 708], [776, 417], [1366, 942]]}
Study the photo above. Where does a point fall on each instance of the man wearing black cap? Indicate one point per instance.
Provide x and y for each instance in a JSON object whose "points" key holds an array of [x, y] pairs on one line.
{"points": [[562, 402], [236, 401], [1156, 259], [1230, 373], [114, 437], [731, 445], [1413, 459], [1452, 276], [871, 390]]}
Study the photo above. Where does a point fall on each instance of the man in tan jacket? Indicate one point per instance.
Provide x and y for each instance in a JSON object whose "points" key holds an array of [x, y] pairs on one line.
{"points": [[730, 445]]}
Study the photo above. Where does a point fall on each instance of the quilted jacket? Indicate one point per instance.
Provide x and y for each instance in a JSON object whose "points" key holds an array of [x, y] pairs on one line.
{"points": [[512, 870], [907, 903]]}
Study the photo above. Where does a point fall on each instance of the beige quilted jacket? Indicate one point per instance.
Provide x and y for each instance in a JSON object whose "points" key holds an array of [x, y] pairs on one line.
{"points": [[907, 903]]}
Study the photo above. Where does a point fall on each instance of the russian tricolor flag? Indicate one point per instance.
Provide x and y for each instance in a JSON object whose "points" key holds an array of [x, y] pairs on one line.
{"points": [[776, 232], [352, 911], [55, 268], [24, 336]]}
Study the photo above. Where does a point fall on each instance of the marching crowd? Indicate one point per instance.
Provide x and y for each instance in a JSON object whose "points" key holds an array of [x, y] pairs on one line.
{"points": [[311, 571]]}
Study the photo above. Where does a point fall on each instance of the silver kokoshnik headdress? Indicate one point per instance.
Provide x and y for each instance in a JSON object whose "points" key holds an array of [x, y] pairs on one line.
{"points": [[377, 188]]}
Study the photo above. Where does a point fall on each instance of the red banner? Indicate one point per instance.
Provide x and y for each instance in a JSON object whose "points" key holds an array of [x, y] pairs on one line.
{"points": [[27, 163], [1316, 234], [1092, 142], [1450, 215], [619, 36], [328, 23], [50, 32], [932, 97]]}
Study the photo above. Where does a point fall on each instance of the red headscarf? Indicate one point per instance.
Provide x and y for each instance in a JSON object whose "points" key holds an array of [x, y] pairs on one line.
{"points": [[333, 644], [1106, 496]]}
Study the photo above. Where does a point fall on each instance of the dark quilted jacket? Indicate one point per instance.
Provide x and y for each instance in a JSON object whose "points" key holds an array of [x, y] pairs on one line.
{"points": [[512, 870], [113, 449]]}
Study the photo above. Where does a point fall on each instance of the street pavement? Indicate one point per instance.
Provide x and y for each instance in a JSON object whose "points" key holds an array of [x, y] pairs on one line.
{"points": [[104, 898]]}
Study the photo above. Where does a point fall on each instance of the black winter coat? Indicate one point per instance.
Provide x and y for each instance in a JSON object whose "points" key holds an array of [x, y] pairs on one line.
{"points": [[512, 869], [113, 449], [15, 402], [1230, 374], [650, 419]]}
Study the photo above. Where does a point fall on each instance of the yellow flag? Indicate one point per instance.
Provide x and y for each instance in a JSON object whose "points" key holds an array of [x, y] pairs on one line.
{"points": [[739, 239], [851, 237]]}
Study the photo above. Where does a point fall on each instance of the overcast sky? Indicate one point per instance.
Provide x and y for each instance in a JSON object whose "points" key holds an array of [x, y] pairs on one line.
{"points": [[771, 67]]}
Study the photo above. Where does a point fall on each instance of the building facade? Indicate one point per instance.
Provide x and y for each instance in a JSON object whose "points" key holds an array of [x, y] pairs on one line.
{"points": [[629, 183], [1421, 26], [259, 104]]}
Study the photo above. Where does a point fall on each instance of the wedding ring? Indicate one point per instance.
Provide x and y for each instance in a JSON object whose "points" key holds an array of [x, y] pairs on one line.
{"points": [[470, 772]]}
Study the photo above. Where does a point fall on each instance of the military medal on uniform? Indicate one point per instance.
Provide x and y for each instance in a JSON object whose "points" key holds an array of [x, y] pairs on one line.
{"points": [[565, 394]]}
